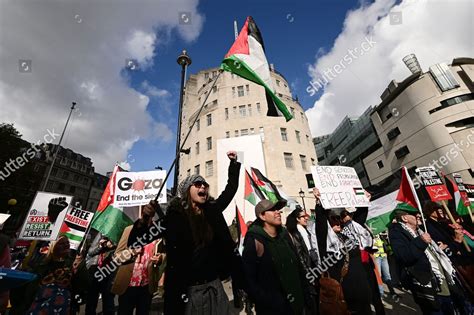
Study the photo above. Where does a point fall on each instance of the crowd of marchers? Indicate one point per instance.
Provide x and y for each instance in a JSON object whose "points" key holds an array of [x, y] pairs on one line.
{"points": [[322, 261]]}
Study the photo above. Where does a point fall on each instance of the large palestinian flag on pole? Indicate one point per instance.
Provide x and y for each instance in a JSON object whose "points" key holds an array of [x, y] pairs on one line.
{"points": [[252, 193], [246, 58], [407, 194], [111, 221]]}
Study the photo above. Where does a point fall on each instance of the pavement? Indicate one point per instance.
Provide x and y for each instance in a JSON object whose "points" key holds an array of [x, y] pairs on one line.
{"points": [[406, 305]]}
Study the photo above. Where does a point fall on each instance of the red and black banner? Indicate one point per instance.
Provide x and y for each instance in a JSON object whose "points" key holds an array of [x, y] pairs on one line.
{"points": [[433, 184]]}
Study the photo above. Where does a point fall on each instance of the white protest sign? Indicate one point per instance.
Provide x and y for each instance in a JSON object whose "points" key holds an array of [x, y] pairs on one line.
{"points": [[3, 218], [340, 187], [45, 217], [75, 225], [138, 188]]}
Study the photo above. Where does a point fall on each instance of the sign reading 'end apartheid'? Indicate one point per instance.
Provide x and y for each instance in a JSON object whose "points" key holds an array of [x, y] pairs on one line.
{"points": [[45, 217], [138, 188], [75, 225], [433, 184], [339, 186]]}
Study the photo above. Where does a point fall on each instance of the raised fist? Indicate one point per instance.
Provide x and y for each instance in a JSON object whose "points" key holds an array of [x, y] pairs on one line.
{"points": [[232, 155], [55, 206]]}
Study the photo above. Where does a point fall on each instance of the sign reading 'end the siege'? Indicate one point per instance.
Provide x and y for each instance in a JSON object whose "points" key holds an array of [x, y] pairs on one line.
{"points": [[433, 183], [138, 188], [339, 186]]}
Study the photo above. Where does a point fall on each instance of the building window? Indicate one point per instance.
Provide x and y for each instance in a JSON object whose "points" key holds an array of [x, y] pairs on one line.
{"points": [[188, 172], [288, 160], [54, 171], [236, 133], [250, 109], [247, 89], [292, 110], [233, 91], [298, 138], [252, 131], [214, 102], [234, 110], [312, 161], [240, 90], [214, 89], [196, 169], [278, 82], [307, 138], [197, 148], [206, 75], [214, 74], [227, 134], [209, 143], [444, 77], [226, 113], [209, 119], [61, 186], [402, 152], [65, 175], [72, 189], [302, 116], [259, 110], [284, 135], [304, 166], [198, 124], [209, 168], [262, 133], [242, 111], [244, 132], [453, 101], [392, 134], [380, 164]]}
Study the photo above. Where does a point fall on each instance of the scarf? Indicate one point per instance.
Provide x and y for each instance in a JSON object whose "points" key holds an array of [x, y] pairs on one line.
{"points": [[437, 259], [285, 263], [358, 234], [305, 235]]}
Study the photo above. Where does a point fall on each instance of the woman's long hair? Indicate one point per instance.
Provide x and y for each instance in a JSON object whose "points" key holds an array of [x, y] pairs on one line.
{"points": [[292, 221], [202, 231]]}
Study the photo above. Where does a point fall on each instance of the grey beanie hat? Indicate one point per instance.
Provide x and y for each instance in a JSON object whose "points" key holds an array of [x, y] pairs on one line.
{"points": [[187, 182]]}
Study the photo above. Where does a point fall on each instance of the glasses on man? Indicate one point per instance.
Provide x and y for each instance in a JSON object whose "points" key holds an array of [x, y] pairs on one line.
{"points": [[199, 184]]}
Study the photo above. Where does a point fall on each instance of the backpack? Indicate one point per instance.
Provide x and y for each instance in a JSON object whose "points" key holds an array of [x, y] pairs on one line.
{"points": [[331, 296]]}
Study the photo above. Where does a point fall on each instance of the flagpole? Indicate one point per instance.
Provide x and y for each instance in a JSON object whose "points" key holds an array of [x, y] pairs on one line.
{"points": [[443, 202], [187, 136]]}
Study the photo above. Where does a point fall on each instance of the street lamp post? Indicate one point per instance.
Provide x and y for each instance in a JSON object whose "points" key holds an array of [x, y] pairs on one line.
{"points": [[301, 193], [184, 61]]}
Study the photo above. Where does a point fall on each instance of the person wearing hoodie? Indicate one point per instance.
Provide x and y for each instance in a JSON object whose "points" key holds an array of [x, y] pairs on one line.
{"points": [[274, 274], [199, 247]]}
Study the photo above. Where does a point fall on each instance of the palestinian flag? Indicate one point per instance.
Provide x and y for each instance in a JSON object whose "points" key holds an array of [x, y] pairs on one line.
{"points": [[252, 193], [407, 195], [246, 58], [74, 233], [111, 221], [456, 188], [266, 186], [380, 210], [241, 228]]}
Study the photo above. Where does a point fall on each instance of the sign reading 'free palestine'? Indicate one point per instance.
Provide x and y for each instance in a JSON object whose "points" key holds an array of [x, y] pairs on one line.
{"points": [[339, 186], [433, 183]]}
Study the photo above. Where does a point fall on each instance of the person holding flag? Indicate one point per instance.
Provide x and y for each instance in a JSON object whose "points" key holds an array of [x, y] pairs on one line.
{"points": [[199, 247]]}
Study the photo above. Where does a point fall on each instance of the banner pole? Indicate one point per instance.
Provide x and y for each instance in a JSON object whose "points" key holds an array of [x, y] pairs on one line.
{"points": [[454, 222], [470, 213]]}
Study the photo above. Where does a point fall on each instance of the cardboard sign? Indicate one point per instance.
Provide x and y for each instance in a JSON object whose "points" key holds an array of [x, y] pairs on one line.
{"points": [[433, 184], [462, 189], [138, 188], [339, 186], [75, 225], [45, 217], [3, 218]]}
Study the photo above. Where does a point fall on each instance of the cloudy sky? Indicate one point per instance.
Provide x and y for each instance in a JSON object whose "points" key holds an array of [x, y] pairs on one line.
{"points": [[79, 50]]}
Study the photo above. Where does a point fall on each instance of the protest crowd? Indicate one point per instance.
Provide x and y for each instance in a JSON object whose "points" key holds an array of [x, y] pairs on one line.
{"points": [[322, 261]]}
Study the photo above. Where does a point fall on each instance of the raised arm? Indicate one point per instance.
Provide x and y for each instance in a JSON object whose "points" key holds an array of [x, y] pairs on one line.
{"points": [[360, 215], [232, 182], [321, 224]]}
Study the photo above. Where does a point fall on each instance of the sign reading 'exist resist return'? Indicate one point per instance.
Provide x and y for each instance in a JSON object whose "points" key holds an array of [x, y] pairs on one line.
{"points": [[340, 187]]}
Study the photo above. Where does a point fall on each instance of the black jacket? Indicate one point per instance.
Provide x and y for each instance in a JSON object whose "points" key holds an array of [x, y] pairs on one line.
{"points": [[264, 286], [410, 255], [179, 242]]}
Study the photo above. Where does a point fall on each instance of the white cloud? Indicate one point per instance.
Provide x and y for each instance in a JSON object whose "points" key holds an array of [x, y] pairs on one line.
{"points": [[154, 91], [436, 31], [78, 51]]}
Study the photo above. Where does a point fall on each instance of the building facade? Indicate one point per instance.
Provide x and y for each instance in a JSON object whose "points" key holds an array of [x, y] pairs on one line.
{"points": [[237, 108], [97, 189], [352, 140], [427, 119]]}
